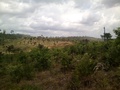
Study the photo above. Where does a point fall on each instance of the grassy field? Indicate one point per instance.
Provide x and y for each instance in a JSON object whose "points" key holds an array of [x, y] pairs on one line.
{"points": [[57, 64], [27, 44]]}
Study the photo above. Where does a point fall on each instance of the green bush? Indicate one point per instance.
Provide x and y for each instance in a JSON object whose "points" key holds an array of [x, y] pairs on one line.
{"points": [[77, 49], [114, 56], [22, 58], [16, 73], [28, 71], [41, 58], [83, 70], [43, 62], [2, 70], [20, 72], [85, 66], [66, 62]]}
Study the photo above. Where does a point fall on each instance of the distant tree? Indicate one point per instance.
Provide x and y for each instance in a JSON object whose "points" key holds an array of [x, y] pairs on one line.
{"points": [[102, 36], [12, 31], [106, 36], [117, 32], [42, 36], [4, 31]]}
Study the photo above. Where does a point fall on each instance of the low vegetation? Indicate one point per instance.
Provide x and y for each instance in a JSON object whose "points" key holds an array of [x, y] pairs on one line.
{"points": [[56, 64]]}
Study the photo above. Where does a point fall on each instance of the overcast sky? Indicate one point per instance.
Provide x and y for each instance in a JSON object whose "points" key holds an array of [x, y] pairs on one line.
{"points": [[60, 17]]}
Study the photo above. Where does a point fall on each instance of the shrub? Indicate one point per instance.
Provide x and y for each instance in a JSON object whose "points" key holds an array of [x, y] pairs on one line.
{"points": [[22, 58], [16, 73], [19, 72], [66, 62], [85, 66], [77, 49], [40, 46], [82, 71], [43, 63], [114, 56], [2, 70], [41, 59], [28, 71]]}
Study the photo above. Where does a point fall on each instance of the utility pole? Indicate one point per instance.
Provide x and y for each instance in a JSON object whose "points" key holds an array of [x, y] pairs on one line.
{"points": [[104, 34]]}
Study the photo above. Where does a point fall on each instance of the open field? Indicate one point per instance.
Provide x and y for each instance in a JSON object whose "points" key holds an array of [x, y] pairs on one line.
{"points": [[27, 44], [59, 64]]}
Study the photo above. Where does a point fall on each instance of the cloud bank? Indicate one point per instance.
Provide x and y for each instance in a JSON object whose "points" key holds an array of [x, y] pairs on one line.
{"points": [[60, 17]]}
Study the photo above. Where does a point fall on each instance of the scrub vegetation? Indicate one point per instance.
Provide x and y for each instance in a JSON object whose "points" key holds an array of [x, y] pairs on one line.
{"points": [[42, 63]]}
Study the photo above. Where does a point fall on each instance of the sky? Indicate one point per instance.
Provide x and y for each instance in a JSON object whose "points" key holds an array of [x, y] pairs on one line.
{"points": [[60, 17]]}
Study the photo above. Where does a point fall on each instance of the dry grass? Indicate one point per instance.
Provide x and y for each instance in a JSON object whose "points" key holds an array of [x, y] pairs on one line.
{"points": [[50, 81], [27, 44]]}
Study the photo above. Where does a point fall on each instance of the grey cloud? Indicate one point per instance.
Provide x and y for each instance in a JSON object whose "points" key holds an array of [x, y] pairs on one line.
{"points": [[48, 1], [84, 4], [55, 27], [14, 7], [58, 17], [90, 19], [49, 23], [30, 1], [55, 30], [43, 1], [111, 3]]}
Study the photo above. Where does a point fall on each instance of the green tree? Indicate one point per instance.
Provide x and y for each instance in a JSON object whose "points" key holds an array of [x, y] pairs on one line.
{"points": [[4, 31], [12, 31], [117, 32], [114, 50], [106, 36]]}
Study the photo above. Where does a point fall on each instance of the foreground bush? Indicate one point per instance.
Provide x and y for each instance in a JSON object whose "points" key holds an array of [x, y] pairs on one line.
{"points": [[83, 70], [20, 72], [41, 58], [66, 62]]}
